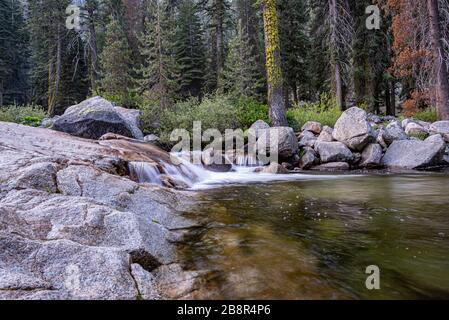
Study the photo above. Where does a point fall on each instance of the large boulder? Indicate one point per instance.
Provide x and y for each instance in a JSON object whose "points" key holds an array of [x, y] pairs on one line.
{"points": [[334, 152], [257, 128], [371, 156], [353, 129], [411, 154], [441, 127], [282, 139], [95, 117]]}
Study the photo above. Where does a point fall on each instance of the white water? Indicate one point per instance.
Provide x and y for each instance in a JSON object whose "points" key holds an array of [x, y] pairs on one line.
{"points": [[198, 178]]}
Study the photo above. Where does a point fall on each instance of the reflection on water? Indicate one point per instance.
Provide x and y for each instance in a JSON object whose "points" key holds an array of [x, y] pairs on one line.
{"points": [[314, 239]]}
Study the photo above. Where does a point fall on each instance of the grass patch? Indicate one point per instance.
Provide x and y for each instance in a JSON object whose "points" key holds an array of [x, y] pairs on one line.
{"points": [[325, 112], [30, 115], [427, 115]]}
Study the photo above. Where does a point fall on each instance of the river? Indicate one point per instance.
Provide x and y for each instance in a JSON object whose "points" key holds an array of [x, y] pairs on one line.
{"points": [[313, 236]]}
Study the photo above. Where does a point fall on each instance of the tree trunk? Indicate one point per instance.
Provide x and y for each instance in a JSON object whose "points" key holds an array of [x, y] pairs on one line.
{"points": [[1, 93], [94, 69], [273, 64], [442, 89], [390, 98], [55, 79], [338, 81]]}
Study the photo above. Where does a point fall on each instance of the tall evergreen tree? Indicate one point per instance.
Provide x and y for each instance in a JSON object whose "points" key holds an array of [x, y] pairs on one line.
{"points": [[115, 63], [241, 74], [156, 74], [13, 53], [189, 50], [57, 64], [293, 24]]}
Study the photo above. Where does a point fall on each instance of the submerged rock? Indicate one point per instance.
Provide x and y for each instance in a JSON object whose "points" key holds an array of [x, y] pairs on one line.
{"points": [[411, 154], [353, 129], [95, 117]]}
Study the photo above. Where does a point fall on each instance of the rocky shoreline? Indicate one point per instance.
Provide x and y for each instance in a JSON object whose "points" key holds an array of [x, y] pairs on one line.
{"points": [[360, 141]]}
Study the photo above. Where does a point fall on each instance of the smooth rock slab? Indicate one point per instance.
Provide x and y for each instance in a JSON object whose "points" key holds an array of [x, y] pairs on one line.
{"points": [[411, 154]]}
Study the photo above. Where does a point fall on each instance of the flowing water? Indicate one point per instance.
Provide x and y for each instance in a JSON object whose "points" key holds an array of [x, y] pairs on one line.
{"points": [[313, 236]]}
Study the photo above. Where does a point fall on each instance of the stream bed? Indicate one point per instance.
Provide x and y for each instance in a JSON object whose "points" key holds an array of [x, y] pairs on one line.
{"points": [[312, 237]]}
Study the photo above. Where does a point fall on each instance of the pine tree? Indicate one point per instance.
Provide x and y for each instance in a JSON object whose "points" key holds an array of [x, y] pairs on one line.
{"points": [[156, 74], [115, 63], [189, 50], [58, 72], [241, 74], [294, 46], [13, 53]]}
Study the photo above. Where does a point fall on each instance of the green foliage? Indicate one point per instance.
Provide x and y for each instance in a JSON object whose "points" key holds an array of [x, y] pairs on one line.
{"points": [[428, 115], [215, 112], [242, 74], [115, 62], [189, 51], [249, 111], [155, 76], [325, 112], [30, 115]]}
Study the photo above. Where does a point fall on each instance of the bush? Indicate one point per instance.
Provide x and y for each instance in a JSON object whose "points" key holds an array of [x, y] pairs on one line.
{"points": [[325, 112], [215, 112], [249, 111], [30, 115], [428, 115]]}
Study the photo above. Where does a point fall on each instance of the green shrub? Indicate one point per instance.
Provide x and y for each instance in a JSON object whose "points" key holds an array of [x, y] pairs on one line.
{"points": [[249, 111], [325, 112], [428, 115], [30, 115], [214, 112]]}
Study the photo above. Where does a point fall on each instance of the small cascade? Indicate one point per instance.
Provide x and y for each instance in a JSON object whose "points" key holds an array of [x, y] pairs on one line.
{"points": [[187, 175], [245, 160], [145, 172]]}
